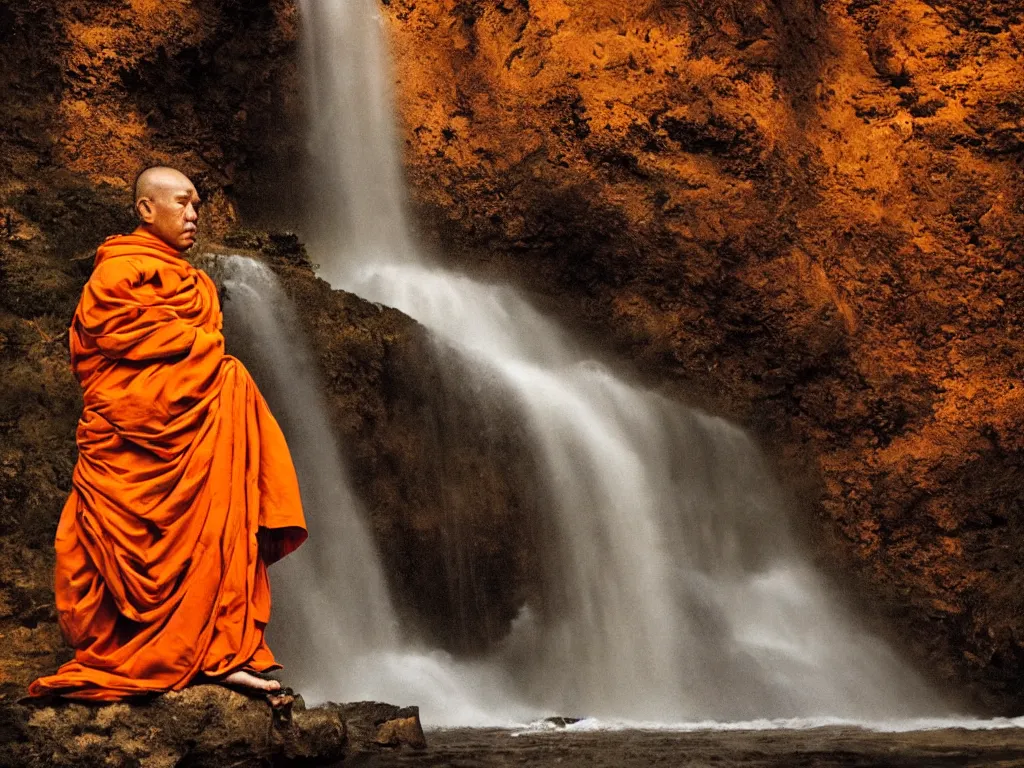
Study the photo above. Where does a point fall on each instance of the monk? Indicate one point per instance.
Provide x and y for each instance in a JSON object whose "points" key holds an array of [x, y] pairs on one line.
{"points": [[184, 490]]}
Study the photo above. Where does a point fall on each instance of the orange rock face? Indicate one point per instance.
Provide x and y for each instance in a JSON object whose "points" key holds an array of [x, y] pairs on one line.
{"points": [[803, 214]]}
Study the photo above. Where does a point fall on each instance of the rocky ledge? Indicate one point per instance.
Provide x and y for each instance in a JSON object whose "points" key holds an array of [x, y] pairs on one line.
{"points": [[205, 725]]}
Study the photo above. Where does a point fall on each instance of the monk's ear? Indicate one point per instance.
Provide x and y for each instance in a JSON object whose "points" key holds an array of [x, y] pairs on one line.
{"points": [[144, 207]]}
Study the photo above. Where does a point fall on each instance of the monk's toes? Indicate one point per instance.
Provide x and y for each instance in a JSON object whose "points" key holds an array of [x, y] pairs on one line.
{"points": [[246, 680]]}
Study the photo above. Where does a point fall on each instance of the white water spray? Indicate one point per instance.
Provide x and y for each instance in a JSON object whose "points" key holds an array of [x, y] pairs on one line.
{"points": [[675, 590]]}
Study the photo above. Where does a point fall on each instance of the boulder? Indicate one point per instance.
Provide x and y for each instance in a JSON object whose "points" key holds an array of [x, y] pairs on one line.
{"points": [[201, 726]]}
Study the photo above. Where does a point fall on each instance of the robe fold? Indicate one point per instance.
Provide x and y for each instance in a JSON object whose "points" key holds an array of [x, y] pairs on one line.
{"points": [[183, 493]]}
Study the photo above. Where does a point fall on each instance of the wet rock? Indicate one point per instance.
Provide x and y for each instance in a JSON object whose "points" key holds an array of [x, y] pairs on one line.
{"points": [[205, 725], [561, 722], [385, 725], [401, 731]]}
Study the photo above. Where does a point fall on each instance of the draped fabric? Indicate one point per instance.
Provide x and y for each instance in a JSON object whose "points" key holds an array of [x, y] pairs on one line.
{"points": [[183, 493]]}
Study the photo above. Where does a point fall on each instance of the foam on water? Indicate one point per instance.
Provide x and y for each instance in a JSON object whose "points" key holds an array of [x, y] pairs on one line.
{"points": [[908, 725]]}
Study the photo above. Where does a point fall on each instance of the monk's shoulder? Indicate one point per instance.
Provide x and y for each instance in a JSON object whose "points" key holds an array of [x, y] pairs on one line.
{"points": [[116, 269]]}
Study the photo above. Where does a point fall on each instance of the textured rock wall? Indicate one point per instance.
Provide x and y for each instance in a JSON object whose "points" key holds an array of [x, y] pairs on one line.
{"points": [[805, 214], [802, 214]]}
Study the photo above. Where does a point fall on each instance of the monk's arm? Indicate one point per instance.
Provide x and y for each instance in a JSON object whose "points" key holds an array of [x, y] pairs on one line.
{"points": [[120, 314]]}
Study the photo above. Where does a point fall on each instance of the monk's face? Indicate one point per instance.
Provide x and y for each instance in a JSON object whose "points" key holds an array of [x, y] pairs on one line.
{"points": [[169, 209]]}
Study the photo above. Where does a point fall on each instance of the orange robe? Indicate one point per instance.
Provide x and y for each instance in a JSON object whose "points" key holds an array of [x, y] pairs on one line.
{"points": [[183, 493]]}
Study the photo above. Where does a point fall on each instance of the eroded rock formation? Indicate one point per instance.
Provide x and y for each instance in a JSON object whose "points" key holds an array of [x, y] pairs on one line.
{"points": [[203, 726]]}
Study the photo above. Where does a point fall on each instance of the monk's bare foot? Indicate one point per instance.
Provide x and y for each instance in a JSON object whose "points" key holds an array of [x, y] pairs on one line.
{"points": [[243, 679]]}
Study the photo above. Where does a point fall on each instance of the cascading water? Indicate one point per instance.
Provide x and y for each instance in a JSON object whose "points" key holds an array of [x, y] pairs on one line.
{"points": [[333, 621], [674, 589], [348, 591]]}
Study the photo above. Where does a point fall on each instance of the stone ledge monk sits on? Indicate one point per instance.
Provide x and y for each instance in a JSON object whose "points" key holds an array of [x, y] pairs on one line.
{"points": [[184, 491]]}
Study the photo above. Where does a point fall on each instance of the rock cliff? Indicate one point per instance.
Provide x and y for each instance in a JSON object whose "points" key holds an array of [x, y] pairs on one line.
{"points": [[801, 215]]}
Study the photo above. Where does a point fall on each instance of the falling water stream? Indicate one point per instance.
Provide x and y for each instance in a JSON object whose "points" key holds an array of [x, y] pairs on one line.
{"points": [[675, 589]]}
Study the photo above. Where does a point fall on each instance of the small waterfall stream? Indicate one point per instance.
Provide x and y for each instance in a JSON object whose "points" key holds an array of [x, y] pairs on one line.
{"points": [[348, 592], [674, 588]]}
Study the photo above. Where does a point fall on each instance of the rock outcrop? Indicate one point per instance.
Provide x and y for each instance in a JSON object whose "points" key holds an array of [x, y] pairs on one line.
{"points": [[207, 726]]}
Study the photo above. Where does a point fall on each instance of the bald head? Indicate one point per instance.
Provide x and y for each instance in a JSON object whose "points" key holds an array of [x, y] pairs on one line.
{"points": [[156, 178], [168, 206]]}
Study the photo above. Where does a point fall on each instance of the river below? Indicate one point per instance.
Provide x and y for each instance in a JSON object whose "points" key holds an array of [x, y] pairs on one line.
{"points": [[819, 747]]}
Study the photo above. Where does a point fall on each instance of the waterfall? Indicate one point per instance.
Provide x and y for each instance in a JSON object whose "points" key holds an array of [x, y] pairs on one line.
{"points": [[674, 588], [338, 572], [352, 137], [334, 624]]}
